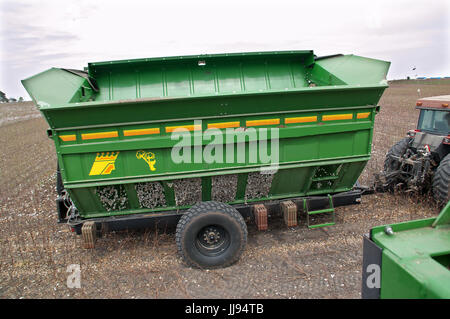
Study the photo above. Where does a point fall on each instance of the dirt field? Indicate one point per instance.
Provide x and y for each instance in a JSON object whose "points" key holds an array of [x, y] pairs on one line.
{"points": [[282, 262]]}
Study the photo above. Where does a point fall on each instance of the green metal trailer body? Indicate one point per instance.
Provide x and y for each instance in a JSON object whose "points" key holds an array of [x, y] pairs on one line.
{"points": [[412, 259], [113, 127]]}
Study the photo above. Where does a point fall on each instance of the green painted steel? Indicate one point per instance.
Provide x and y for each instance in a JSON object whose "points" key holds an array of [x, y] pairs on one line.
{"points": [[320, 211], [416, 258], [113, 126]]}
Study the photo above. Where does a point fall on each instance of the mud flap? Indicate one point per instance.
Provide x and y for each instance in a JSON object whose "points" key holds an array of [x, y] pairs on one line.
{"points": [[61, 209], [371, 271]]}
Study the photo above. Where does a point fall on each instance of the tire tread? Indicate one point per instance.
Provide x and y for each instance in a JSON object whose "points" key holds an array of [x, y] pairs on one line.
{"points": [[204, 208], [441, 181]]}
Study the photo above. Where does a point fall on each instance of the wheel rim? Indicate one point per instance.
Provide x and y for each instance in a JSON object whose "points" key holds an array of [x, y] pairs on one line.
{"points": [[212, 240]]}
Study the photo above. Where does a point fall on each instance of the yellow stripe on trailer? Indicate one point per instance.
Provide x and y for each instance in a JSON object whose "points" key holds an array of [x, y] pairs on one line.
{"points": [[93, 136], [363, 115], [263, 122], [170, 129], [144, 131], [302, 119], [68, 138], [224, 125], [336, 117]]}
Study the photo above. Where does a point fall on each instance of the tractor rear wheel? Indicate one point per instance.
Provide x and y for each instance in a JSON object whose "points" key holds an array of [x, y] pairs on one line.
{"points": [[211, 235], [390, 164], [441, 182]]}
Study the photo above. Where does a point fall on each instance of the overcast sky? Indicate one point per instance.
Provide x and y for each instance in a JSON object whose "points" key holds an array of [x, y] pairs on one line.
{"points": [[38, 34]]}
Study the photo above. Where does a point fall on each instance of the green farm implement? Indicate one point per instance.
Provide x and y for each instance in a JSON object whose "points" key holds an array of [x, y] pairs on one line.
{"points": [[409, 259], [209, 141]]}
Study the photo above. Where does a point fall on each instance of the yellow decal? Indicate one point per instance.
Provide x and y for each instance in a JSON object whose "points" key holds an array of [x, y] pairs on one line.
{"points": [[145, 131], [68, 138], [104, 164], [170, 129], [149, 157], [337, 117], [363, 115], [92, 136], [303, 119], [223, 125], [263, 122]]}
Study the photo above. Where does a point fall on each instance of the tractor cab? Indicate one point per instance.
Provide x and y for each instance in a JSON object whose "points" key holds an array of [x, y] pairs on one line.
{"points": [[435, 122], [434, 115], [421, 161], [433, 128]]}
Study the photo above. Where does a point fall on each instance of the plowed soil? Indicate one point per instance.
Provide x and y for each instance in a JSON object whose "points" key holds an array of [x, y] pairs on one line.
{"points": [[281, 262]]}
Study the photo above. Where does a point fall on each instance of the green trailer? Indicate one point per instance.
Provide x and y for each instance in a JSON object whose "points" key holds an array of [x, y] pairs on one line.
{"points": [[408, 260], [244, 135]]}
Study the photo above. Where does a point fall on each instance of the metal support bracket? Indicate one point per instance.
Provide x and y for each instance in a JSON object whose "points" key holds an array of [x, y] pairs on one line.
{"points": [[89, 233], [260, 214], [289, 213]]}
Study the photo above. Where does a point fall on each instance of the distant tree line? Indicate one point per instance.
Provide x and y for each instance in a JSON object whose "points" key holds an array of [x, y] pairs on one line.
{"points": [[5, 99]]}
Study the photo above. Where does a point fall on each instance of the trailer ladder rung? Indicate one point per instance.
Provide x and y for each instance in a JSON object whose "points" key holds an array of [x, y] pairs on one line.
{"points": [[320, 211]]}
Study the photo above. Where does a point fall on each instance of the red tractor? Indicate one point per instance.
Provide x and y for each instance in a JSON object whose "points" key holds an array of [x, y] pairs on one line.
{"points": [[421, 161]]}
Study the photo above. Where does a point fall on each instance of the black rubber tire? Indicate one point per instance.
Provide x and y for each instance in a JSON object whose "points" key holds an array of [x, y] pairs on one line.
{"points": [[441, 181], [391, 165], [199, 219], [398, 149]]}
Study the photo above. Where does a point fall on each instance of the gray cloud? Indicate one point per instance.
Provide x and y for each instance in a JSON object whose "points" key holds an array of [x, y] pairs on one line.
{"points": [[36, 35]]}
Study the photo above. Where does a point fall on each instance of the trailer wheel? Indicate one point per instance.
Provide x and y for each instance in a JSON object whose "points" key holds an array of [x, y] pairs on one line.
{"points": [[211, 235], [441, 181], [391, 164]]}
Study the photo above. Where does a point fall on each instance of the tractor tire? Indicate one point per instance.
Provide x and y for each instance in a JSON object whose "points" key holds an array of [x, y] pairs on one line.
{"points": [[211, 235], [390, 164], [398, 149], [441, 182]]}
